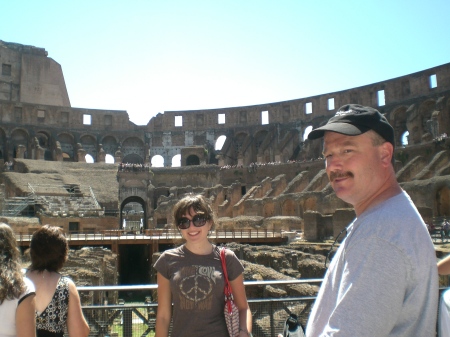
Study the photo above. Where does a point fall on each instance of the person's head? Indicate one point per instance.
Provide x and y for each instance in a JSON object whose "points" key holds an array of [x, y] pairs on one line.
{"points": [[11, 279], [193, 214], [358, 151], [355, 120], [8, 244], [48, 249]]}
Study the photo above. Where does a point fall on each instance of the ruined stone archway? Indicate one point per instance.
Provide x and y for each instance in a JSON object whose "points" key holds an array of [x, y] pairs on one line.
{"points": [[135, 146], [66, 141], [135, 217], [110, 145], [89, 144], [44, 140], [269, 209], [397, 119], [20, 139], [289, 208]]}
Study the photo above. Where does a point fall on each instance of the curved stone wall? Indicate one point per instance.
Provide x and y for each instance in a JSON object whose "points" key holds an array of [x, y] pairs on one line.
{"points": [[46, 127]]}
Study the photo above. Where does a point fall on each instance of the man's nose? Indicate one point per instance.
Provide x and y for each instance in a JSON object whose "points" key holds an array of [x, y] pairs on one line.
{"points": [[333, 162]]}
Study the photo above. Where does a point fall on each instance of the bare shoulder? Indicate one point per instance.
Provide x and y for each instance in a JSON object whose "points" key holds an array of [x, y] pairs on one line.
{"points": [[72, 286]]}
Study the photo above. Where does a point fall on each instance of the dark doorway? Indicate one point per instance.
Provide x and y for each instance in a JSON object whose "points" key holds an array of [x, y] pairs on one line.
{"points": [[74, 227], [135, 264], [192, 160]]}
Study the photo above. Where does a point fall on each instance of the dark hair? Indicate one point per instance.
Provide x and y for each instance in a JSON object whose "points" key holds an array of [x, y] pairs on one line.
{"points": [[48, 249], [198, 203], [12, 284]]}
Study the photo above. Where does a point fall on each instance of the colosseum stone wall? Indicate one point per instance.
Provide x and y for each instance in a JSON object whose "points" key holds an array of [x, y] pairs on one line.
{"points": [[265, 168]]}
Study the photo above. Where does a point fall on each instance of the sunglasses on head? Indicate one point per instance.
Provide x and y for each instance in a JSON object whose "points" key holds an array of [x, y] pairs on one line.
{"points": [[197, 220]]}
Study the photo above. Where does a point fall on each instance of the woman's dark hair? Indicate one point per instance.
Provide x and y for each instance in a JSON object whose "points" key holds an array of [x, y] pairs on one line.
{"points": [[48, 249], [198, 203], [12, 284]]}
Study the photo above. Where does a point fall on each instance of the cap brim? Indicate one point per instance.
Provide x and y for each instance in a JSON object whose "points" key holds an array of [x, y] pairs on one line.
{"points": [[343, 128]]}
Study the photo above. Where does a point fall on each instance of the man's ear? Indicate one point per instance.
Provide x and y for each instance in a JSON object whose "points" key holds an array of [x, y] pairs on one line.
{"points": [[386, 153]]}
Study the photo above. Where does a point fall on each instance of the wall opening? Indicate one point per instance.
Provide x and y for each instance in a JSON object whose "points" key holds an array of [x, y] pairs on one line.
{"points": [[219, 142], [433, 81], [330, 103], [74, 227], [89, 159], [192, 160], [405, 138], [109, 159], [64, 117], [221, 118], [176, 160], [308, 108], [381, 98], [87, 119], [6, 69], [178, 121], [108, 120], [157, 161], [306, 132], [264, 117]]}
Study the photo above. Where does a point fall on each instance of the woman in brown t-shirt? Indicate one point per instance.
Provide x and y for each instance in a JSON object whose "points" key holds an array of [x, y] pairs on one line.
{"points": [[191, 277]]}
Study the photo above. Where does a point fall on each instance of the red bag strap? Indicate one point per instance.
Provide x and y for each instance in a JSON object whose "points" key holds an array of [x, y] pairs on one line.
{"points": [[225, 273]]}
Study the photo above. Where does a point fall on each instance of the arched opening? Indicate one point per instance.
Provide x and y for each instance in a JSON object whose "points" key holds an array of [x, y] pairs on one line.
{"points": [[192, 160], [89, 159], [133, 215], [219, 142], [110, 145], [157, 161], [405, 138], [134, 145], [133, 221], [89, 144], [67, 146], [289, 208], [109, 159], [133, 159], [306, 132], [176, 160], [19, 138]]}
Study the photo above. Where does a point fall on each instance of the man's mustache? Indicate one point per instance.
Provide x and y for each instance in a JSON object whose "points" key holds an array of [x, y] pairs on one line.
{"points": [[336, 175]]}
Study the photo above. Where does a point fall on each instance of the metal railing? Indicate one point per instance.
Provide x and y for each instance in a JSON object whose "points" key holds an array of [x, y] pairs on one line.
{"points": [[138, 319], [159, 234]]}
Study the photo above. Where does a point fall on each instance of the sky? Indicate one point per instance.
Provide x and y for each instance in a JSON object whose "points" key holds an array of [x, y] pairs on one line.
{"points": [[147, 56]]}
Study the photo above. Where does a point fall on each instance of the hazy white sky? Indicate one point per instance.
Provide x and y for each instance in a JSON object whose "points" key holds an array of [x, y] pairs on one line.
{"points": [[147, 56]]}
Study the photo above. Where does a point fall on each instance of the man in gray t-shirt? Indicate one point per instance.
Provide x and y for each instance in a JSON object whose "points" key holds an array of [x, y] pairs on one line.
{"points": [[383, 279]]}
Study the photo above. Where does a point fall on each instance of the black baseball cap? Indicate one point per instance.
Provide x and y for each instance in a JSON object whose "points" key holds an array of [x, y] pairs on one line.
{"points": [[354, 120]]}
